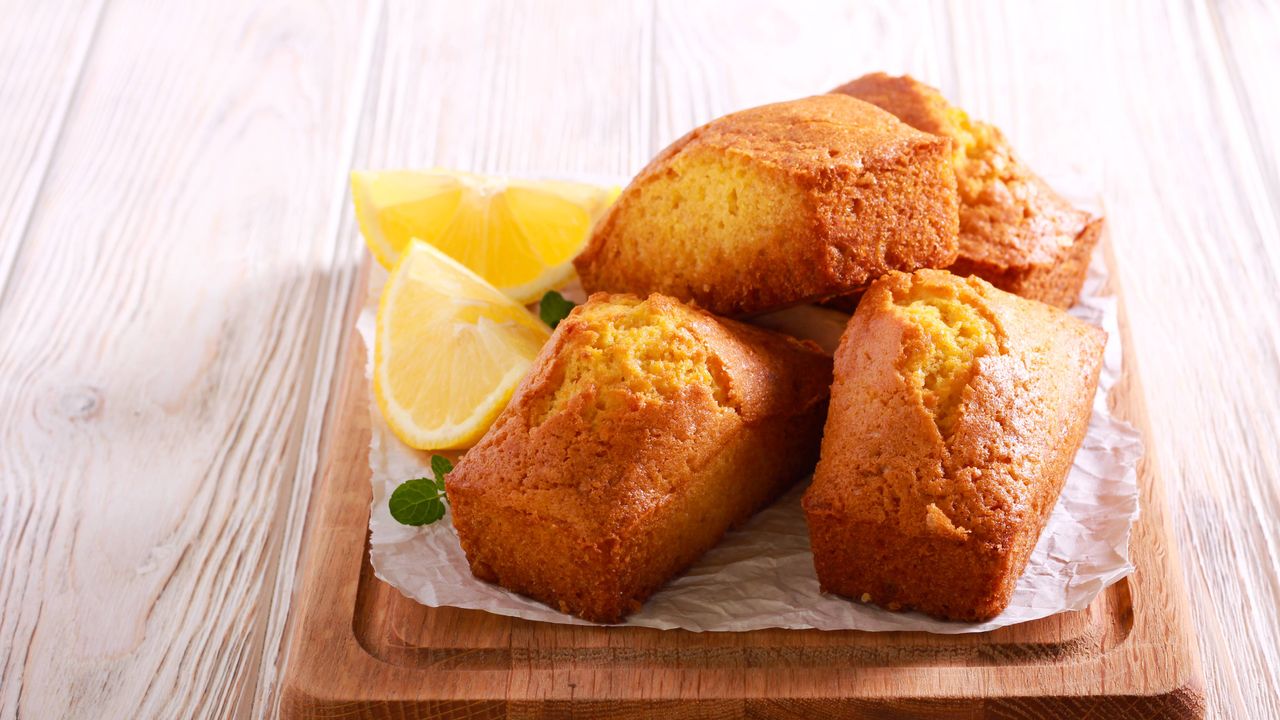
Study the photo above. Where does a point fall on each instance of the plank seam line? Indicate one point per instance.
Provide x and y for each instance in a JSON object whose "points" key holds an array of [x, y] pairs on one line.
{"points": [[1243, 108], [50, 143], [650, 113], [330, 350], [948, 18], [1241, 98]]}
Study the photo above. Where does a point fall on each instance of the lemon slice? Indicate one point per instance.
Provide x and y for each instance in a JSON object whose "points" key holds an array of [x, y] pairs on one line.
{"points": [[519, 235], [449, 350]]}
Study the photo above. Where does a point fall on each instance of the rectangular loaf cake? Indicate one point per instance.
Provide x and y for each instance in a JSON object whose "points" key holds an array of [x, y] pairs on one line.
{"points": [[1015, 231], [780, 205], [956, 411], [644, 430]]}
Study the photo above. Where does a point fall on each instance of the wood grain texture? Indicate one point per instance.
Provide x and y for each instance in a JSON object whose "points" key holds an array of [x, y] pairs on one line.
{"points": [[511, 87], [360, 649], [183, 169], [164, 324], [43, 47]]}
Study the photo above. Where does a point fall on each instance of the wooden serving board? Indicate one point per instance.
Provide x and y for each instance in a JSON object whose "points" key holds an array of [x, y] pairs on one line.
{"points": [[358, 648]]}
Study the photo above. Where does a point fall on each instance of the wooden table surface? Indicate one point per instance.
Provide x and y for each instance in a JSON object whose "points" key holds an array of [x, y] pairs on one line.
{"points": [[178, 254]]}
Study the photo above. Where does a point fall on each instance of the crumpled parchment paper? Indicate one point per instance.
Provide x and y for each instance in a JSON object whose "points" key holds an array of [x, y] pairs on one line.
{"points": [[761, 576]]}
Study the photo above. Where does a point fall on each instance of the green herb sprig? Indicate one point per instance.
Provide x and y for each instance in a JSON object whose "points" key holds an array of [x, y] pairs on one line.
{"points": [[421, 501], [554, 307]]}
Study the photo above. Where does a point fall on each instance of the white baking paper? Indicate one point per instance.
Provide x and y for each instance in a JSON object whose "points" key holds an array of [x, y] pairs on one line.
{"points": [[761, 576]]}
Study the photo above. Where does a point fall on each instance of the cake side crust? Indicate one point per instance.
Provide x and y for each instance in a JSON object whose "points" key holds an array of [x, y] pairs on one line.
{"points": [[914, 510], [644, 431], [1015, 231]]}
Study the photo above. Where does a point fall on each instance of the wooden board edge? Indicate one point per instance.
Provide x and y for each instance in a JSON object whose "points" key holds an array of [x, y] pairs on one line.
{"points": [[311, 630], [1175, 642]]}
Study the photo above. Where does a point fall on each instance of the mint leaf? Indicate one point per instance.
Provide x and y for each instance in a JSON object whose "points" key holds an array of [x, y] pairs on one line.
{"points": [[434, 511], [420, 501], [440, 466], [416, 502], [554, 307]]}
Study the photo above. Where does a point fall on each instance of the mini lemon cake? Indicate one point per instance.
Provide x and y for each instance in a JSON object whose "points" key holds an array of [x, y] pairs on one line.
{"points": [[644, 431], [1015, 231], [779, 205], [956, 412]]}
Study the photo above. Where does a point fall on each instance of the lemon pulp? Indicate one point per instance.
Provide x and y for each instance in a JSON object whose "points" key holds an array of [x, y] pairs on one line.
{"points": [[519, 235], [449, 350]]}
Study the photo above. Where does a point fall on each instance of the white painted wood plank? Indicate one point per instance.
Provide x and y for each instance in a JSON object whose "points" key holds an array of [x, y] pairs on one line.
{"points": [[42, 51], [1204, 267], [1247, 32], [712, 58], [512, 87], [162, 340], [333, 329]]}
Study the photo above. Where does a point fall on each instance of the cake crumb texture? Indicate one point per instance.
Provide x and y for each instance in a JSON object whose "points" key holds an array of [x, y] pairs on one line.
{"points": [[955, 333], [630, 350]]}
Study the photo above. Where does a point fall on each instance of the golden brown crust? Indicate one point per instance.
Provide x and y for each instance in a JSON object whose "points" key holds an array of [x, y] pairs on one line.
{"points": [[1057, 284], [591, 500], [908, 512], [844, 192], [1015, 231]]}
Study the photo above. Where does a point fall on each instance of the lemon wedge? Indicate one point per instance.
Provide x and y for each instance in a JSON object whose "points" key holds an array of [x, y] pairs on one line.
{"points": [[449, 350], [519, 235]]}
